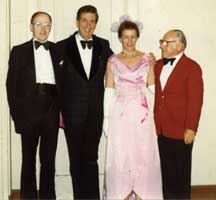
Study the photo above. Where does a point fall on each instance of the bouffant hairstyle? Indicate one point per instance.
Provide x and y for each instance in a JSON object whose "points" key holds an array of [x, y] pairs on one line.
{"points": [[128, 25]]}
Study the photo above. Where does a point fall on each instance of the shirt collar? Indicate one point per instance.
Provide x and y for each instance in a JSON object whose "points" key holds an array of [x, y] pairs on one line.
{"points": [[177, 57]]}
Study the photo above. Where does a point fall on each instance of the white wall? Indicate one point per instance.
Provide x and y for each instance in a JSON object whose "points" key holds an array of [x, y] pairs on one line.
{"points": [[195, 17]]}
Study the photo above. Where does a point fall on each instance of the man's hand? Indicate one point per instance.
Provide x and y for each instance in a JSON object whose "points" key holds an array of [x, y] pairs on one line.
{"points": [[189, 136]]}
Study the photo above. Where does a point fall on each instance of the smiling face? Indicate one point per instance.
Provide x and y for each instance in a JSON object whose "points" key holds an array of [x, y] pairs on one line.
{"points": [[170, 45], [128, 39], [41, 27], [86, 25]]}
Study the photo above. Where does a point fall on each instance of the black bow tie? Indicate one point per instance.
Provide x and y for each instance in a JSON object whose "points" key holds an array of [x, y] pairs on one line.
{"points": [[38, 44], [85, 43], [167, 60]]}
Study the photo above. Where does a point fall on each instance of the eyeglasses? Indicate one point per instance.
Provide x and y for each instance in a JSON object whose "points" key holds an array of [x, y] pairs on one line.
{"points": [[40, 25], [165, 42]]}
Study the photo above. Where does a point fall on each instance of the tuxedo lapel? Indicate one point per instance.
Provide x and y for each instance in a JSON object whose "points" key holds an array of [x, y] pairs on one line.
{"points": [[74, 56], [54, 58], [53, 55], [30, 60], [95, 57]]}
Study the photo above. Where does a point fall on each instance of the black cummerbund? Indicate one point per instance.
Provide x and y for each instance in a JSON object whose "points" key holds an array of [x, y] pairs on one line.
{"points": [[46, 89]]}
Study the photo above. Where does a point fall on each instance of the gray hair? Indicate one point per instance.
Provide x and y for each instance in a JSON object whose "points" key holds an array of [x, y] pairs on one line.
{"points": [[181, 36]]}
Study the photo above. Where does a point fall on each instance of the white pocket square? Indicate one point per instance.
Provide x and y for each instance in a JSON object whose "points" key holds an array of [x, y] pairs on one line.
{"points": [[61, 62]]}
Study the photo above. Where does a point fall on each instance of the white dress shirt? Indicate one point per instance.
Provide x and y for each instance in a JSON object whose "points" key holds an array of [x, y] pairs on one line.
{"points": [[167, 70], [85, 54], [43, 65]]}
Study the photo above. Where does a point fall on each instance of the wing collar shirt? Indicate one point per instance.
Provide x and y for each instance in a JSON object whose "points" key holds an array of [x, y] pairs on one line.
{"points": [[167, 70], [85, 54], [43, 65]]}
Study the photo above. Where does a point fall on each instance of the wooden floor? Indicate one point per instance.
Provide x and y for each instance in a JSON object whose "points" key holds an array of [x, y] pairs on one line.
{"points": [[204, 192], [198, 193]]}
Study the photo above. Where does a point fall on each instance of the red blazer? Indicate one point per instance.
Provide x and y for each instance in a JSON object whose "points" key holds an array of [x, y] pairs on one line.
{"points": [[178, 106]]}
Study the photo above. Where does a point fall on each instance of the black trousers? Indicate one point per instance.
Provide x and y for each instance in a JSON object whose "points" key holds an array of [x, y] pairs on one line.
{"points": [[175, 158], [83, 141], [44, 121]]}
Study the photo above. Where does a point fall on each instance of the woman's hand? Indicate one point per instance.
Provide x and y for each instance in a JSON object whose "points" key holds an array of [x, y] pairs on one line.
{"points": [[152, 58], [151, 75]]}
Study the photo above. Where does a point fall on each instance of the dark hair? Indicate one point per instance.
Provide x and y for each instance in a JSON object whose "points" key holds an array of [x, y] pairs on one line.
{"points": [[125, 25], [40, 13], [87, 9]]}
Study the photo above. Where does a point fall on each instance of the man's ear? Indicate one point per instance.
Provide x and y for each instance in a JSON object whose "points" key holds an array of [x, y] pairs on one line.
{"points": [[180, 47], [77, 23], [31, 27]]}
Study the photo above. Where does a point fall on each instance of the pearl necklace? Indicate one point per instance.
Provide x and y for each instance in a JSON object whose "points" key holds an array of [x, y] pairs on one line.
{"points": [[129, 54]]}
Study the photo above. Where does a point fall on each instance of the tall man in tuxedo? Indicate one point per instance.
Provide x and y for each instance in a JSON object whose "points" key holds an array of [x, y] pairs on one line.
{"points": [[178, 102], [85, 56], [32, 89]]}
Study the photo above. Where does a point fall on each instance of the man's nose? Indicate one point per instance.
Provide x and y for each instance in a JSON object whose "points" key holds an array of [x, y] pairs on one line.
{"points": [[89, 24]]}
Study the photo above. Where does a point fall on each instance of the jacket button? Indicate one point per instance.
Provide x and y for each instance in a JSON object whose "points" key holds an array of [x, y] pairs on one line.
{"points": [[162, 97]]}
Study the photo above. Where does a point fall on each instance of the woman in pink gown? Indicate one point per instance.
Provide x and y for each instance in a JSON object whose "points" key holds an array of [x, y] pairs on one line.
{"points": [[132, 169]]}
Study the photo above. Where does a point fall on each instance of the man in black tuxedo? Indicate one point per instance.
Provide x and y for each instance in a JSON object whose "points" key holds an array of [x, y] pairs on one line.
{"points": [[85, 56], [32, 89]]}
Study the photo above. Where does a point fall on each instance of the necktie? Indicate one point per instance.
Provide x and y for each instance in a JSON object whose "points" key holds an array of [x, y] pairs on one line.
{"points": [[167, 60], [85, 43], [38, 44]]}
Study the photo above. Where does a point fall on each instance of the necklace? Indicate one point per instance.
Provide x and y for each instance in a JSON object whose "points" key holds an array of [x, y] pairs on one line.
{"points": [[129, 54]]}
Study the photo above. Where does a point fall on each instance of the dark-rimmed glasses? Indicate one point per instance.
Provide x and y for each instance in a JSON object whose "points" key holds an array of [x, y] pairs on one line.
{"points": [[166, 42]]}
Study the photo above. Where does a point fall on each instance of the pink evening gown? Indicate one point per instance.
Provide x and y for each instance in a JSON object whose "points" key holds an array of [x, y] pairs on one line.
{"points": [[132, 157]]}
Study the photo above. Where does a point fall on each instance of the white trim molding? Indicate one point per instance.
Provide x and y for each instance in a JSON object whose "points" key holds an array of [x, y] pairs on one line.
{"points": [[5, 183]]}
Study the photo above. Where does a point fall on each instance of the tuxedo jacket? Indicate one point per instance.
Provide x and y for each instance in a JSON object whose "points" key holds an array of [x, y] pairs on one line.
{"points": [[82, 96], [178, 105], [21, 83]]}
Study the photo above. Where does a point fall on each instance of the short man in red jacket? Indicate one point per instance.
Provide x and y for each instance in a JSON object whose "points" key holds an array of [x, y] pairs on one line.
{"points": [[178, 102]]}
